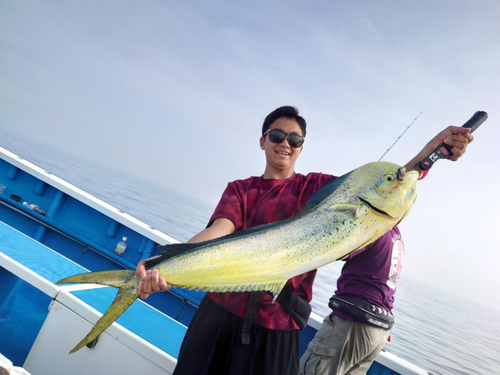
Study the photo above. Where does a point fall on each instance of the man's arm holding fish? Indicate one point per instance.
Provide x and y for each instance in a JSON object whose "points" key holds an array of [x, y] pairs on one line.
{"points": [[153, 282]]}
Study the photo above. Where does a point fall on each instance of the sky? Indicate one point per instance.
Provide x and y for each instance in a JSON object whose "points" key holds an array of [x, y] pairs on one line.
{"points": [[175, 92]]}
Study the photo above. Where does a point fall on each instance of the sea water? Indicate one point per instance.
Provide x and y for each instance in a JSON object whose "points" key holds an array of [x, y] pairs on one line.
{"points": [[438, 331]]}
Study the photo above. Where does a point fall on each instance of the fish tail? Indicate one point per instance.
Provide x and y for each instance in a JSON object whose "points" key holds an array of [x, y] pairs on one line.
{"points": [[116, 278], [128, 292]]}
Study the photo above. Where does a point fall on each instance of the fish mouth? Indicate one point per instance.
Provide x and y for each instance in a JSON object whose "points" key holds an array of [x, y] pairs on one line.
{"points": [[373, 207]]}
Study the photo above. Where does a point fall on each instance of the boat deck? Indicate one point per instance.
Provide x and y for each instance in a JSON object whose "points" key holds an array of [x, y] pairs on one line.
{"points": [[26, 265]]}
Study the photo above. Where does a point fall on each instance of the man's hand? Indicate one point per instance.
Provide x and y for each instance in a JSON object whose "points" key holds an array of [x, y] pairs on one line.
{"points": [[151, 281], [456, 137]]}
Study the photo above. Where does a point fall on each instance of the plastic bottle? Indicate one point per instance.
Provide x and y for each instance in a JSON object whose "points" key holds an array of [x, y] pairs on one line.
{"points": [[34, 208], [121, 246]]}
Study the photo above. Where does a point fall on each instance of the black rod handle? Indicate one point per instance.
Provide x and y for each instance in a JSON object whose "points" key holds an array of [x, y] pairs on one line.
{"points": [[476, 120]]}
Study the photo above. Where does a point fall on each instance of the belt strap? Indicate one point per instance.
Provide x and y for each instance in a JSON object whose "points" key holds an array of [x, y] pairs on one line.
{"points": [[249, 317]]}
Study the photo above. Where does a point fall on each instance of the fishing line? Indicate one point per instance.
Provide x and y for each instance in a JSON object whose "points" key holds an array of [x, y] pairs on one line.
{"points": [[409, 126]]}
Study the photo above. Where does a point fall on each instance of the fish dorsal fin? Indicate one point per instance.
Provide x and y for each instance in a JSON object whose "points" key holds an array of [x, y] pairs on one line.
{"points": [[320, 195], [171, 250]]}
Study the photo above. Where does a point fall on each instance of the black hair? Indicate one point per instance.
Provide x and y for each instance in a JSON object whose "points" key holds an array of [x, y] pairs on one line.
{"points": [[288, 112]]}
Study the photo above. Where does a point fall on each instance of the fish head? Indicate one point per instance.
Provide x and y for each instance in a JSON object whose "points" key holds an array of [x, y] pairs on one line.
{"points": [[384, 191]]}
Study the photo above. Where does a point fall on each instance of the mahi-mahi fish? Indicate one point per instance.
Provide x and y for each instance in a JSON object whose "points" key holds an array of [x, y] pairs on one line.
{"points": [[345, 215]]}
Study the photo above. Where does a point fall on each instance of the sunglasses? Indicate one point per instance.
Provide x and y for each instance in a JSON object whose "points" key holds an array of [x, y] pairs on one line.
{"points": [[277, 136]]}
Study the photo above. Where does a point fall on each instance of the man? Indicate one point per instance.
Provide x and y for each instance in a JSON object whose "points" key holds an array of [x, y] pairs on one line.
{"points": [[247, 333]]}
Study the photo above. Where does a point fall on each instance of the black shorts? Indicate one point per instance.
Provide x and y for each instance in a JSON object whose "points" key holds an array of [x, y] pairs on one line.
{"points": [[212, 345]]}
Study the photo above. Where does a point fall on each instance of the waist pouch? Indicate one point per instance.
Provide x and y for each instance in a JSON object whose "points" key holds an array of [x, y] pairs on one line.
{"points": [[298, 308], [363, 311]]}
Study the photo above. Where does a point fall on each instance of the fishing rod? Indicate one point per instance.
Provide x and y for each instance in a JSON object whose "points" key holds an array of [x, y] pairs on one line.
{"points": [[473, 123], [409, 126]]}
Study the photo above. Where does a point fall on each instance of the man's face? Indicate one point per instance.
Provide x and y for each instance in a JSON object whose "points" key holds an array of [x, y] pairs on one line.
{"points": [[281, 156]]}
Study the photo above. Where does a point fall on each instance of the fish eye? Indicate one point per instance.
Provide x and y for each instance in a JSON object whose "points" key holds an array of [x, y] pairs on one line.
{"points": [[389, 178]]}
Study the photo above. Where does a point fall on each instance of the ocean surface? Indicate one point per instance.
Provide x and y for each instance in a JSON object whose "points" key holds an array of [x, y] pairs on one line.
{"points": [[438, 331]]}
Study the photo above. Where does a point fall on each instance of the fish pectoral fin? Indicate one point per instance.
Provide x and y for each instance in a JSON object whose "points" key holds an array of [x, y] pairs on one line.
{"points": [[172, 250], [116, 278], [124, 298], [353, 209]]}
